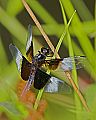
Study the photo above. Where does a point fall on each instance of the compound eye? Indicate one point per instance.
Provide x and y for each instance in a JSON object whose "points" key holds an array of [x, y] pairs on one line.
{"points": [[45, 50]]}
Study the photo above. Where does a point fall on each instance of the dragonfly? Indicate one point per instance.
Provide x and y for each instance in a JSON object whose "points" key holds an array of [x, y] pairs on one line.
{"points": [[31, 68]]}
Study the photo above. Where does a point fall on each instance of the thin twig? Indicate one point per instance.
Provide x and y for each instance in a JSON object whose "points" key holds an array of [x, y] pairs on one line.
{"points": [[77, 91], [39, 26]]}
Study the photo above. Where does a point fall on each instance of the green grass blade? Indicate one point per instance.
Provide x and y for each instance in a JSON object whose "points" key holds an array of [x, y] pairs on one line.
{"points": [[13, 26], [38, 98], [74, 73], [83, 11], [41, 11], [80, 34], [37, 8], [88, 27], [64, 33], [14, 7], [3, 59], [95, 25]]}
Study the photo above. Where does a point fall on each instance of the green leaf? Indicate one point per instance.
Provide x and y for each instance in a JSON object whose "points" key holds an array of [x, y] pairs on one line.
{"points": [[10, 107], [14, 7]]}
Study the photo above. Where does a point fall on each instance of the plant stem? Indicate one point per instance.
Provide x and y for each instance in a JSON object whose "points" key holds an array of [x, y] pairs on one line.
{"points": [[39, 26], [38, 98]]}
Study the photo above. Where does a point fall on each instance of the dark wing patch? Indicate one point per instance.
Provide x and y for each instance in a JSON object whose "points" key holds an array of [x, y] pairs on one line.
{"points": [[29, 45], [41, 78], [25, 69], [52, 64], [17, 55], [22, 64], [55, 85], [68, 63]]}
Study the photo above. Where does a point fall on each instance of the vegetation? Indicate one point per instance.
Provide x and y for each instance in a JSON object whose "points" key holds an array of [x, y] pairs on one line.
{"points": [[77, 35]]}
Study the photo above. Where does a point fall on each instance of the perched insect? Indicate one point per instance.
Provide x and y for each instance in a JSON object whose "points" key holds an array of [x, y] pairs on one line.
{"points": [[32, 71]]}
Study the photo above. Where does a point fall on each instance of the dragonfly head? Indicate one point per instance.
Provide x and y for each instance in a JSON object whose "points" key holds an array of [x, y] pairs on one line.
{"points": [[45, 51]]}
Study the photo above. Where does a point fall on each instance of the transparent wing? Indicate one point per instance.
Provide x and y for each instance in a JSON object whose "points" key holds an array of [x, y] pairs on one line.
{"points": [[29, 44], [28, 84], [68, 63], [56, 85], [17, 55]]}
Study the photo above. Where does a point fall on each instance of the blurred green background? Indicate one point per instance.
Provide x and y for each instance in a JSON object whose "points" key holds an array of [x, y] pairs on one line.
{"points": [[14, 21]]}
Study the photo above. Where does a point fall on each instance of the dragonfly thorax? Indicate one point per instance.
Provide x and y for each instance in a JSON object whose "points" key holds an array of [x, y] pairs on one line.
{"points": [[39, 57]]}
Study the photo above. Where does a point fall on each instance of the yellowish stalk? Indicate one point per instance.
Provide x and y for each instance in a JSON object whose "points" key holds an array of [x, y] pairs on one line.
{"points": [[39, 26]]}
